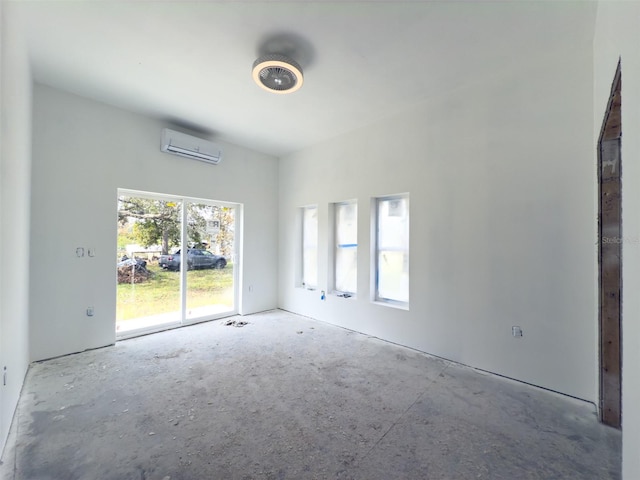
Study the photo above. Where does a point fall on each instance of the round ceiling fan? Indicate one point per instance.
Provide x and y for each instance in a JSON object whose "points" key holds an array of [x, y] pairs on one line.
{"points": [[277, 73]]}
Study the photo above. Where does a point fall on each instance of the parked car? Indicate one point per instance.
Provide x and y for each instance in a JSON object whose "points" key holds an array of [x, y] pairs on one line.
{"points": [[196, 258]]}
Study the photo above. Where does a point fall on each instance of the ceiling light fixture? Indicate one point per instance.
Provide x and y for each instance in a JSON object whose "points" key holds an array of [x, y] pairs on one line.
{"points": [[277, 74]]}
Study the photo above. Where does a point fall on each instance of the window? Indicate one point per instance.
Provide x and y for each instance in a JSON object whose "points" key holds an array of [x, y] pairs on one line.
{"points": [[392, 250], [310, 247], [175, 231], [346, 244]]}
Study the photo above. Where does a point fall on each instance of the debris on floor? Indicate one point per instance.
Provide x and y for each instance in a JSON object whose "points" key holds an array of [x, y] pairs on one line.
{"points": [[235, 323], [262, 404]]}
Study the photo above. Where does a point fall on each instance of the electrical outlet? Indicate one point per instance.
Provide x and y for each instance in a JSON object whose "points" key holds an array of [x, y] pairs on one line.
{"points": [[89, 311], [516, 331]]}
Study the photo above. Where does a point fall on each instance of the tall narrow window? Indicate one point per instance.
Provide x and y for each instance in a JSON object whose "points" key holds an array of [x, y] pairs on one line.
{"points": [[310, 247], [392, 250], [346, 253]]}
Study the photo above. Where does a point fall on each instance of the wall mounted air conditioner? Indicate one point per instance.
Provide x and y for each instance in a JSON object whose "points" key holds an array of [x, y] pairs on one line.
{"points": [[190, 147]]}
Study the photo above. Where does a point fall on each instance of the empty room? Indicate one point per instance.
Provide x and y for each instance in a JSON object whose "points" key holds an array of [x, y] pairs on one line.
{"points": [[318, 240]]}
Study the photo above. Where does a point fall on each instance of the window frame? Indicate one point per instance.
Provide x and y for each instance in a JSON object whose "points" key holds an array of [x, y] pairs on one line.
{"points": [[375, 251], [336, 247], [305, 246]]}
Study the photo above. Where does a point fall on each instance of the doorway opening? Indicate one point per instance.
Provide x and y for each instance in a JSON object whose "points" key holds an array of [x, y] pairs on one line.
{"points": [[610, 243], [158, 235]]}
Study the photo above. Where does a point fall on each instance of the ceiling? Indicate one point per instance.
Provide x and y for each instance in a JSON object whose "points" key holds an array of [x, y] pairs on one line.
{"points": [[189, 62]]}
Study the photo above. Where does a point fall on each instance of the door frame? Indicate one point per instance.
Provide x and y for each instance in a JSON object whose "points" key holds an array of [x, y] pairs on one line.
{"points": [[610, 258], [236, 260]]}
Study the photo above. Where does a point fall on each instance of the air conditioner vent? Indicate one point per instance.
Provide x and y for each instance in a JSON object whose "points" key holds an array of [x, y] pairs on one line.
{"points": [[189, 146]]}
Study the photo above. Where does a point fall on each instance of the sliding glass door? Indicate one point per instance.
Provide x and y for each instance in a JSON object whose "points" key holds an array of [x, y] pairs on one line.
{"points": [[154, 290], [210, 279]]}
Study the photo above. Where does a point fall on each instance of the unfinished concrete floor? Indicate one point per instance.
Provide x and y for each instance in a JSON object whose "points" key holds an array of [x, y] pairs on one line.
{"points": [[285, 397]]}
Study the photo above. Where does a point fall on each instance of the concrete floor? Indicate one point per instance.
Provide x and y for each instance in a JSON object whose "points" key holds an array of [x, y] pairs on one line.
{"points": [[285, 397]]}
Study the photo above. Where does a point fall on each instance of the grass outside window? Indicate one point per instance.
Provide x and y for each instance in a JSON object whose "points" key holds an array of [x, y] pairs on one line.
{"points": [[161, 293]]}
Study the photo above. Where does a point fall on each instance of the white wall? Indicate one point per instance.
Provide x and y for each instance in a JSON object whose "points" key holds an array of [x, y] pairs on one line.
{"points": [[503, 223], [15, 165], [83, 151], [617, 35]]}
